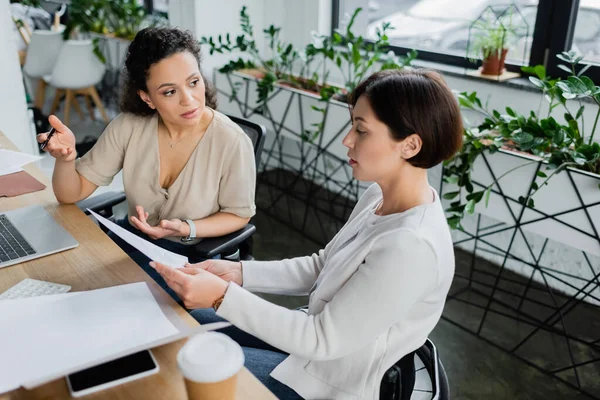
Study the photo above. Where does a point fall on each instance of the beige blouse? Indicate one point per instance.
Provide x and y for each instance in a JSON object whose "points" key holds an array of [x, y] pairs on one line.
{"points": [[219, 176]]}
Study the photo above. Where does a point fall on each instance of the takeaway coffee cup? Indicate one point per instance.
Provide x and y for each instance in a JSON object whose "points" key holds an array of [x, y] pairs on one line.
{"points": [[209, 363]]}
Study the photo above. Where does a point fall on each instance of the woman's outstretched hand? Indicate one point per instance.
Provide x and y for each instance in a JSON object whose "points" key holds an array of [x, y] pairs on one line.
{"points": [[62, 144], [166, 227]]}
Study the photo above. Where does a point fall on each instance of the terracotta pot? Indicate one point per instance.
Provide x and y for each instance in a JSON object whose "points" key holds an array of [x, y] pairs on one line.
{"points": [[494, 65]]}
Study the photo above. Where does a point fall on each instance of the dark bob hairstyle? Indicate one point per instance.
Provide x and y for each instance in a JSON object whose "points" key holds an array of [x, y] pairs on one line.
{"points": [[150, 46], [415, 101]]}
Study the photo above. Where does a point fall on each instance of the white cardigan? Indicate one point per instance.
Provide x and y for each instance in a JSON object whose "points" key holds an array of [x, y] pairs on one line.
{"points": [[377, 290]]}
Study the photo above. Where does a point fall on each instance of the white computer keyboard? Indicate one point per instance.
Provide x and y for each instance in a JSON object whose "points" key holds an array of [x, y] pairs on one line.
{"points": [[33, 287]]}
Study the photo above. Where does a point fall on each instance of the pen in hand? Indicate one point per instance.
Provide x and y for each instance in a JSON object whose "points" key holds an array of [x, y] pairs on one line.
{"points": [[50, 134]]}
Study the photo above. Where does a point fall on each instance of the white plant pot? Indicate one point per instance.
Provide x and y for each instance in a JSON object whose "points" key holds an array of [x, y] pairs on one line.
{"points": [[113, 48], [566, 210]]}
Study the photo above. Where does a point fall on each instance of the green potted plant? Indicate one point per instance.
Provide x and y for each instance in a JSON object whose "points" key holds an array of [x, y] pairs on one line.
{"points": [[533, 149], [353, 54], [112, 18], [108, 19], [493, 37]]}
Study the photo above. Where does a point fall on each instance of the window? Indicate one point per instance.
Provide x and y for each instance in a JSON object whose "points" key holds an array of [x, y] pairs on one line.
{"points": [[586, 36], [161, 6], [439, 29], [157, 6]]}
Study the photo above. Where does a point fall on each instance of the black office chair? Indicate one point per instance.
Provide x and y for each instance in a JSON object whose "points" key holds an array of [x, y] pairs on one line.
{"points": [[400, 380], [234, 246]]}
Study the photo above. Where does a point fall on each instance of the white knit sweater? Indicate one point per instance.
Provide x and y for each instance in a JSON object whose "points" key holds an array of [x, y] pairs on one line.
{"points": [[376, 291]]}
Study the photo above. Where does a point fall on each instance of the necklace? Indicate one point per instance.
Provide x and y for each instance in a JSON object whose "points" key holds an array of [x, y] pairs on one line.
{"points": [[171, 145]]}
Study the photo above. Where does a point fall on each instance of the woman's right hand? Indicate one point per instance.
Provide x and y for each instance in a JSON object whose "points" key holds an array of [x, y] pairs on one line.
{"points": [[229, 271], [62, 144]]}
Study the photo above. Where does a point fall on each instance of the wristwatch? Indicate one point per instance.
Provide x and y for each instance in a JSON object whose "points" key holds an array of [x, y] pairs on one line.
{"points": [[192, 234]]}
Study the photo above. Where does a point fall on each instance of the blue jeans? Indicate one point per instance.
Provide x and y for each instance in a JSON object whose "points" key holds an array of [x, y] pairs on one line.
{"points": [[261, 358], [144, 262]]}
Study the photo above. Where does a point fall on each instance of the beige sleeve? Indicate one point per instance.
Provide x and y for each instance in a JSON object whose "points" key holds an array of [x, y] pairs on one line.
{"points": [[105, 159], [238, 183]]}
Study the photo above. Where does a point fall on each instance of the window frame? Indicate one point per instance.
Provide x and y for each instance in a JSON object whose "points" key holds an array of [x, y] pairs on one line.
{"points": [[149, 5], [561, 15]]}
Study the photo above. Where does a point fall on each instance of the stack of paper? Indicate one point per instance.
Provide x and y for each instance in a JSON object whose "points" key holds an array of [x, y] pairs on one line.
{"points": [[13, 161], [46, 337]]}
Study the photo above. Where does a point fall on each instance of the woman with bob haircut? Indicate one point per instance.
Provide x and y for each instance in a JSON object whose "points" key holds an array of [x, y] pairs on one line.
{"points": [[378, 288], [188, 170]]}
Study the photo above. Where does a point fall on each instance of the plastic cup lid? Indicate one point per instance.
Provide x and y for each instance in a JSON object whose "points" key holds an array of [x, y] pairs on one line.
{"points": [[210, 357]]}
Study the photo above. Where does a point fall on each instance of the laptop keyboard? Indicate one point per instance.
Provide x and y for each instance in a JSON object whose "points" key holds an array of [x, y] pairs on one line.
{"points": [[12, 244]]}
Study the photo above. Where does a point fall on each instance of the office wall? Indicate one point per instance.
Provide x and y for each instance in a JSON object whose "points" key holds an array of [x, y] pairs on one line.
{"points": [[14, 118], [211, 18]]}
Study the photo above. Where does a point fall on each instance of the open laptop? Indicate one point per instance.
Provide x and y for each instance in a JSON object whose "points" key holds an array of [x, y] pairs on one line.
{"points": [[30, 232]]}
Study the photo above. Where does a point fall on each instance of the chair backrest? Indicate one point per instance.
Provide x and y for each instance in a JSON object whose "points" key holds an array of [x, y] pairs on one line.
{"points": [[429, 378], [255, 132], [23, 30], [42, 52], [77, 66]]}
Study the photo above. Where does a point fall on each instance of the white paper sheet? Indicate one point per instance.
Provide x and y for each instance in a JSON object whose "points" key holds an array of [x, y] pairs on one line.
{"points": [[45, 337], [213, 326], [13, 161], [151, 251]]}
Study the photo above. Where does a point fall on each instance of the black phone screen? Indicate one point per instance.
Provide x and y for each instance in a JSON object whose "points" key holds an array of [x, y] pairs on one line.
{"points": [[133, 364]]}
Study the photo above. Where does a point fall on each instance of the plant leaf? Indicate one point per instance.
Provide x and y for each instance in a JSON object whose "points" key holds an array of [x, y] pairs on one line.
{"points": [[584, 69], [536, 81], [454, 221], [523, 137], [565, 68], [450, 195], [453, 179], [470, 207]]}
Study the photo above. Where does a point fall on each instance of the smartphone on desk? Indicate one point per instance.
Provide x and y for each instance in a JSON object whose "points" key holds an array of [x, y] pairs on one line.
{"points": [[112, 373]]}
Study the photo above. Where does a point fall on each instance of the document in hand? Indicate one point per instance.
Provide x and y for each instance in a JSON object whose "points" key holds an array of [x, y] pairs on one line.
{"points": [[151, 251]]}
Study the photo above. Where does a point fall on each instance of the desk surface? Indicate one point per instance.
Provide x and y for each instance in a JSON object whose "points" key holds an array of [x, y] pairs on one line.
{"points": [[96, 263]]}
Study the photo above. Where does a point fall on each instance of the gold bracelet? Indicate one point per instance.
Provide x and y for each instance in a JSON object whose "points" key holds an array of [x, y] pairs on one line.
{"points": [[218, 301]]}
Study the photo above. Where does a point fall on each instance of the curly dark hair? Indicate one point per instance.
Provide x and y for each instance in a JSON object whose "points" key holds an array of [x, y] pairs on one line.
{"points": [[150, 46]]}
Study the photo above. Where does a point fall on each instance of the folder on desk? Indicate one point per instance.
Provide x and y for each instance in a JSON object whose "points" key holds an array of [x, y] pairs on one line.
{"points": [[19, 183]]}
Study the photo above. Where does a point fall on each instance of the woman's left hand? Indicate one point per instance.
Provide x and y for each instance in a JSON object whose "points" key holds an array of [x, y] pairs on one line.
{"points": [[196, 287], [172, 227]]}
